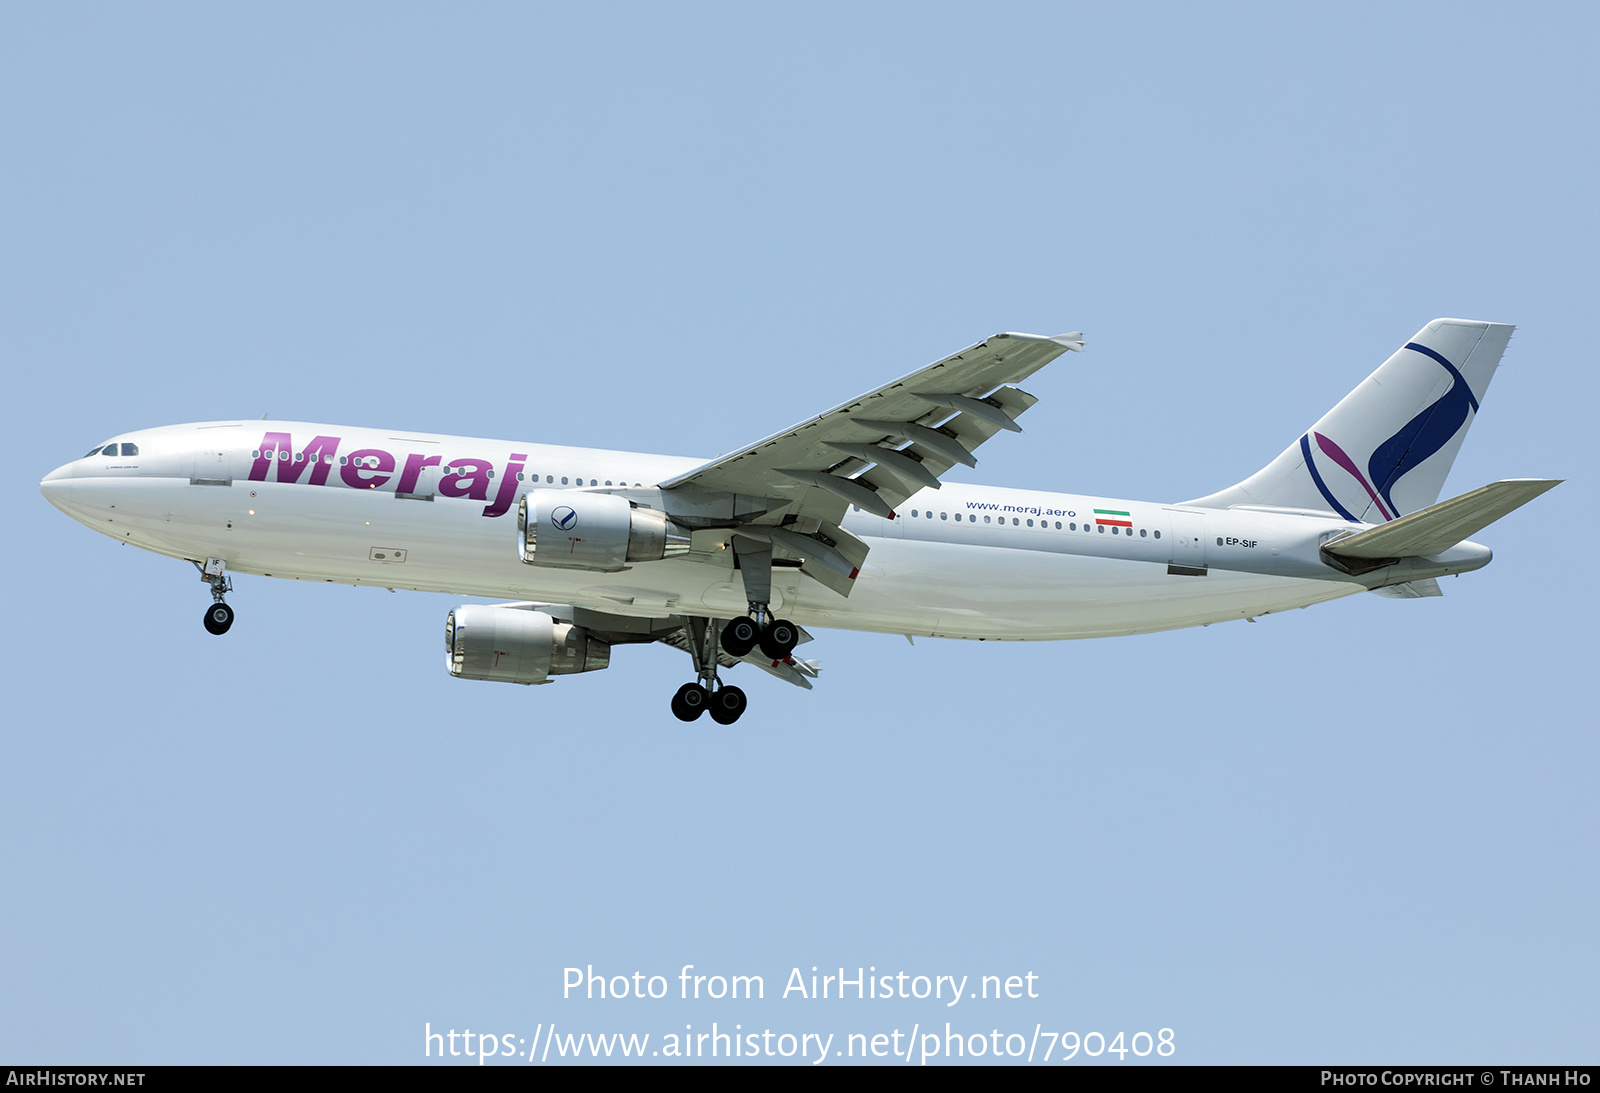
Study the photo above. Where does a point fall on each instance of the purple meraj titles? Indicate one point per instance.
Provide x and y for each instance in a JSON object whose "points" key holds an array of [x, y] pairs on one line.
{"points": [[373, 468]]}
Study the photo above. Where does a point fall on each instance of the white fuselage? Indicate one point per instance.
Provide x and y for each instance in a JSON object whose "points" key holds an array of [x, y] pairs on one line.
{"points": [[371, 507]]}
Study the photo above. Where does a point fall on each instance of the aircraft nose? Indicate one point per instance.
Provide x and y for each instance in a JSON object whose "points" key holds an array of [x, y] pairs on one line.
{"points": [[53, 485]]}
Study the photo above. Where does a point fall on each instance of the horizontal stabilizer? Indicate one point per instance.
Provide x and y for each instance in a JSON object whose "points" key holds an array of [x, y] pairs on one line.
{"points": [[1437, 528]]}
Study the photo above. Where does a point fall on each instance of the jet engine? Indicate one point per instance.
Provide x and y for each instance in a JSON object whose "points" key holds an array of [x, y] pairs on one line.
{"points": [[597, 531], [513, 645]]}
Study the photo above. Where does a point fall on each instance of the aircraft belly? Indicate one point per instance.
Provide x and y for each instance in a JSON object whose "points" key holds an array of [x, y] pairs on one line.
{"points": [[950, 590]]}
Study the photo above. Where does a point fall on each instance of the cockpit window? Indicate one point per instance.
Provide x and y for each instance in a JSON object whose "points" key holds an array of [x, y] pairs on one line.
{"points": [[93, 451], [109, 449], [130, 449]]}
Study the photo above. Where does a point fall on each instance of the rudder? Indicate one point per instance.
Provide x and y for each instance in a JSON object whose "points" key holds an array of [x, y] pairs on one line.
{"points": [[1387, 447]]}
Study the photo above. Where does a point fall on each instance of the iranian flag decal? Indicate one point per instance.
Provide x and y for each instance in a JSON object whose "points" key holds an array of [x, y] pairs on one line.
{"points": [[1113, 518]]}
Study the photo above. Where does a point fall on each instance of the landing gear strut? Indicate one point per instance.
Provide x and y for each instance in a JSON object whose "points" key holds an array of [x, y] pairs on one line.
{"points": [[219, 616], [776, 637], [724, 702]]}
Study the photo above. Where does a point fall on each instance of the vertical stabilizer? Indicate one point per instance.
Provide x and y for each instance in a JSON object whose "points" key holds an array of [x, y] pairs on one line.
{"points": [[1386, 448]]}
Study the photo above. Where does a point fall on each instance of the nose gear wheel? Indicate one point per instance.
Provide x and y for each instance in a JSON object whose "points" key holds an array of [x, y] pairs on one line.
{"points": [[218, 617]]}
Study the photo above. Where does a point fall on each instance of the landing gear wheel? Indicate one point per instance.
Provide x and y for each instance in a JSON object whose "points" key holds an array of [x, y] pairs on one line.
{"points": [[219, 616], [690, 702], [739, 637], [779, 639], [727, 704]]}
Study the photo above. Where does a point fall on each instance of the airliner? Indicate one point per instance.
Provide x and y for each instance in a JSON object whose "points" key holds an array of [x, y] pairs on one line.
{"points": [[841, 521]]}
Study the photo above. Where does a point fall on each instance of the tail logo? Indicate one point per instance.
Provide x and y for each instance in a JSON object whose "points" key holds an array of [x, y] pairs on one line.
{"points": [[1403, 452]]}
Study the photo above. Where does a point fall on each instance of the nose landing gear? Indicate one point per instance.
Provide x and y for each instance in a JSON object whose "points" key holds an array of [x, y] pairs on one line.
{"points": [[219, 616]]}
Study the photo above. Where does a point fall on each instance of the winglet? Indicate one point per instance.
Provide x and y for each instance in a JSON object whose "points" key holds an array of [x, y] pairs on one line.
{"points": [[1073, 341]]}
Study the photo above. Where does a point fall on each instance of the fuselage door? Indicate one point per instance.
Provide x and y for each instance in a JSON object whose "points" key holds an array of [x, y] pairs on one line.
{"points": [[424, 488], [1188, 537], [213, 466]]}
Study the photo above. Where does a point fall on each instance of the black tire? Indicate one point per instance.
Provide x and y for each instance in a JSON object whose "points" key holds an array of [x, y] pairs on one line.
{"points": [[739, 637], [690, 702], [218, 617], [727, 704], [779, 639]]}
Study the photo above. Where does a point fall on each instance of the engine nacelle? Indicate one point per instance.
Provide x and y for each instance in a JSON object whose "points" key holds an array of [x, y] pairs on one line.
{"points": [[512, 645], [596, 531]]}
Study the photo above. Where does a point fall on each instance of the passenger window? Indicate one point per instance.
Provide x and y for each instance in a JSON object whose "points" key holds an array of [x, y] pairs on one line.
{"points": [[1030, 523], [608, 481], [1158, 535], [1058, 525], [1219, 540], [1143, 533], [1102, 528], [256, 454], [913, 512], [1070, 527], [551, 478], [1116, 530], [563, 480], [986, 519], [944, 516], [344, 460], [299, 457], [1017, 523]]}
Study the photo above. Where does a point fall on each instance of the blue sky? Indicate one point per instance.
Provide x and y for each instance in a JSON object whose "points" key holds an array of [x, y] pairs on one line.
{"points": [[1360, 832]]}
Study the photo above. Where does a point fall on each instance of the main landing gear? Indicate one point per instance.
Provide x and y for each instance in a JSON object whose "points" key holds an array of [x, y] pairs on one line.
{"points": [[708, 694], [219, 616], [725, 704], [777, 638]]}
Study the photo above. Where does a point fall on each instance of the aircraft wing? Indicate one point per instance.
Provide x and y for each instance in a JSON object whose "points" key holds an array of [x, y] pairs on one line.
{"points": [[879, 449]]}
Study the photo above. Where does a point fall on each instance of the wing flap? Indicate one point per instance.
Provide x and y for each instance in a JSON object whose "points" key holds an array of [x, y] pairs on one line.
{"points": [[1410, 590], [1439, 527], [933, 418]]}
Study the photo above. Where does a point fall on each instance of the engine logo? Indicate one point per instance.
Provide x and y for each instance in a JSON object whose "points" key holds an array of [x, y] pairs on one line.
{"points": [[564, 518]]}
